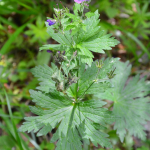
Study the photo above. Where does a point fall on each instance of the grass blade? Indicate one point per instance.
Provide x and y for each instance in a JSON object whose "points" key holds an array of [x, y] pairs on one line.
{"points": [[5, 21], [5, 48], [8, 132], [139, 43], [33, 142], [129, 34], [11, 117]]}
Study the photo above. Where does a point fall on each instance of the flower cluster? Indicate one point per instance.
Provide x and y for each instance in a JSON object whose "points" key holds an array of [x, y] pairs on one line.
{"points": [[50, 22]]}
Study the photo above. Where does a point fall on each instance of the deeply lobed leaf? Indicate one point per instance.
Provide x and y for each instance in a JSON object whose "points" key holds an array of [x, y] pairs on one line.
{"points": [[131, 107], [76, 120]]}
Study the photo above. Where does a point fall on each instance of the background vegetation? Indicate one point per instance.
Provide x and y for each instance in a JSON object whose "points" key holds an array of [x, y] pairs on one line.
{"points": [[23, 31]]}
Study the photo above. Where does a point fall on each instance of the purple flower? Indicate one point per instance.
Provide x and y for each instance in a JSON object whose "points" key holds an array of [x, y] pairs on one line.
{"points": [[49, 51], [50, 22], [80, 1]]}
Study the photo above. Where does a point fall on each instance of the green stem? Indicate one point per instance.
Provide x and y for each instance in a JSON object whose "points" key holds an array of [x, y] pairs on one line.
{"points": [[76, 87], [87, 89], [110, 106], [91, 83]]}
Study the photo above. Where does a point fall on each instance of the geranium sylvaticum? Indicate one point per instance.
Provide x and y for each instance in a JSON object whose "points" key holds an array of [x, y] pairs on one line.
{"points": [[71, 93]]}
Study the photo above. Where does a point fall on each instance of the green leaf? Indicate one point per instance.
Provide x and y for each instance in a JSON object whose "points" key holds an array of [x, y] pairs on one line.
{"points": [[139, 43], [86, 59], [62, 38], [70, 26], [44, 74], [87, 78], [76, 9], [84, 115], [5, 21], [88, 112], [91, 28], [17, 135], [57, 47], [130, 104], [43, 58], [37, 32], [111, 12], [81, 120], [101, 43], [5, 48], [83, 51], [89, 14], [91, 25], [85, 54], [94, 80], [47, 145], [6, 142], [92, 38], [71, 142], [72, 16]]}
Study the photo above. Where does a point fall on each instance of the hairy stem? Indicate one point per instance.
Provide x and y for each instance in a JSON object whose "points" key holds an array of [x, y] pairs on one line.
{"points": [[76, 87], [110, 106]]}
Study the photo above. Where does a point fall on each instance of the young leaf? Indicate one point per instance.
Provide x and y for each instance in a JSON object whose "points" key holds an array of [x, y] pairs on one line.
{"points": [[91, 26], [92, 39], [77, 9]]}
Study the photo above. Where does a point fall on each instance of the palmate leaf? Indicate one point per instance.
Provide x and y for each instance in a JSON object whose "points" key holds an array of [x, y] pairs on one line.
{"points": [[53, 107], [76, 120], [130, 104], [92, 38], [81, 120]]}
